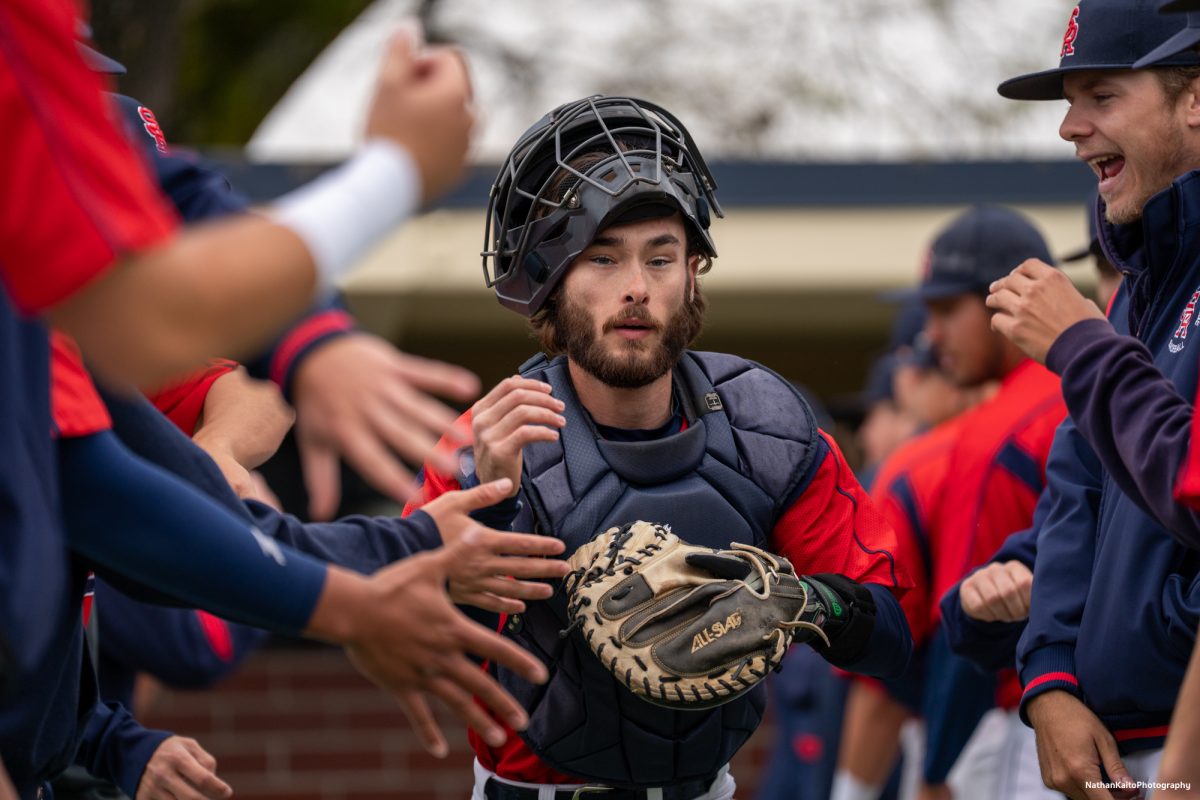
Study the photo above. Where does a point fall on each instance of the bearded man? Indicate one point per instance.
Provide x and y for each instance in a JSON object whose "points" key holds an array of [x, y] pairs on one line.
{"points": [[598, 232]]}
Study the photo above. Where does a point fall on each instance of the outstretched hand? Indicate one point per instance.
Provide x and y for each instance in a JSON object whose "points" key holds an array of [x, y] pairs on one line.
{"points": [[401, 630], [359, 398], [489, 576]]}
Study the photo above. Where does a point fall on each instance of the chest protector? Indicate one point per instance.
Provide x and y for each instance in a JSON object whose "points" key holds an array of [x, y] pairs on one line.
{"points": [[750, 440]]}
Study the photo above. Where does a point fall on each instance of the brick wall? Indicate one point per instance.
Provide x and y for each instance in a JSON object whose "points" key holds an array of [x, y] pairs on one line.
{"points": [[302, 724]]}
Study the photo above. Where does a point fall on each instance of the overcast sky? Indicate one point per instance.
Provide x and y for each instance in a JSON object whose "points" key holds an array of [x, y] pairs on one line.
{"points": [[823, 80]]}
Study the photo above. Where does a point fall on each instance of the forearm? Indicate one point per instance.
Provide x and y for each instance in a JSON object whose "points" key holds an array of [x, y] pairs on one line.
{"points": [[1131, 415], [359, 543], [140, 522], [177, 646], [222, 289], [870, 734], [150, 435], [362, 544]]}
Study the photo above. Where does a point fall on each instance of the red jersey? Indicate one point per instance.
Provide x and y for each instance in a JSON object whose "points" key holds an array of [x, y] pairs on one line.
{"points": [[76, 406], [182, 401], [907, 491], [1187, 484], [831, 527], [76, 196], [996, 473]]}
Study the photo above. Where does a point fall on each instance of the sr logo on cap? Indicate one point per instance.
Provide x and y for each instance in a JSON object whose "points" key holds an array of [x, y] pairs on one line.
{"points": [[1068, 45]]}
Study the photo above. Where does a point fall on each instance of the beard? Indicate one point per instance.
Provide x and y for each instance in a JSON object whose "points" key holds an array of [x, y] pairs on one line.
{"points": [[1159, 169], [635, 363]]}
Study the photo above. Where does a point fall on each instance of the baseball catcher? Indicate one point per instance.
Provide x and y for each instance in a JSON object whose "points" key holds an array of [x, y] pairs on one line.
{"points": [[599, 231]]}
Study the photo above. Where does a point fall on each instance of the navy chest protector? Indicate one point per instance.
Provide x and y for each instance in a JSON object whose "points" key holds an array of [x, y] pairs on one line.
{"points": [[749, 441]]}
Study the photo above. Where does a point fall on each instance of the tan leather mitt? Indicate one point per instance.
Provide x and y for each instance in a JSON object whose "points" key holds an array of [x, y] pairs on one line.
{"points": [[685, 626]]}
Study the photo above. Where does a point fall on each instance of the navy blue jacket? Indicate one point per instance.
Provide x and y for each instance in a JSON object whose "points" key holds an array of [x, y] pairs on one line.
{"points": [[1105, 375], [110, 740], [1116, 599], [173, 644]]}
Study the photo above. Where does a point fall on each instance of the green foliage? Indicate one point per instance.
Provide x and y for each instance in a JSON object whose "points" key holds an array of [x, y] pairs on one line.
{"points": [[240, 56], [212, 69]]}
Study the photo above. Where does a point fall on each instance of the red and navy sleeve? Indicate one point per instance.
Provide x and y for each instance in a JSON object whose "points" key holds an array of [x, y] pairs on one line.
{"points": [[433, 483], [77, 198], [896, 497], [182, 401], [831, 525], [322, 323], [184, 648], [74, 401]]}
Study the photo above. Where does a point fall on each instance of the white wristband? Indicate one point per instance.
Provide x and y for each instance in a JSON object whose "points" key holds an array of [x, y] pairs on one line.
{"points": [[342, 213], [848, 787]]}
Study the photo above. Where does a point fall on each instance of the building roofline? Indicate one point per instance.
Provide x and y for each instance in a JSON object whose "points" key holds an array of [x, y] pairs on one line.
{"points": [[780, 184]]}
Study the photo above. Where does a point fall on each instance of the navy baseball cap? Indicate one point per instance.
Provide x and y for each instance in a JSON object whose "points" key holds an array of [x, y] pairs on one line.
{"points": [[979, 246], [93, 58], [1103, 35], [1183, 41]]}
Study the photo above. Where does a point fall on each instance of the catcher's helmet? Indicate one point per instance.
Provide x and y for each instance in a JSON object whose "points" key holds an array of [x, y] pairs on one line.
{"points": [[543, 211]]}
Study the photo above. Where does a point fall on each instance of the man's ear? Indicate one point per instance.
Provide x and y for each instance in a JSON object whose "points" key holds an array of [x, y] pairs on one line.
{"points": [[1191, 96], [693, 271]]}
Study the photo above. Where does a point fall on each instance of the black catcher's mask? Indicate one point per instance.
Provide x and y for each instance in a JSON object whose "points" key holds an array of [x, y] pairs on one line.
{"points": [[642, 164]]}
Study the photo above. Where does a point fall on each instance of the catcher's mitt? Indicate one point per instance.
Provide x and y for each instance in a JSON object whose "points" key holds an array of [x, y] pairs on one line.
{"points": [[686, 626]]}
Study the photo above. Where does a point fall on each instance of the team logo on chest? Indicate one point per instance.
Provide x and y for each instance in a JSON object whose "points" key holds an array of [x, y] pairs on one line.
{"points": [[1187, 321], [1068, 45]]}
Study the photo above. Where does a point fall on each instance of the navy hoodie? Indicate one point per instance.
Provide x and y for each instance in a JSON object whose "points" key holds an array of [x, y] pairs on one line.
{"points": [[1116, 599]]}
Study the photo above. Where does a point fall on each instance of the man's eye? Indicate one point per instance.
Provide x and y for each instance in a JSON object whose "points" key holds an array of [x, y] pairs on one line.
{"points": [[605, 260]]}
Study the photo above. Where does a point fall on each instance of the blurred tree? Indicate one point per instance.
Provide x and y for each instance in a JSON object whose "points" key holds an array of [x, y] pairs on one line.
{"points": [[145, 37], [212, 69]]}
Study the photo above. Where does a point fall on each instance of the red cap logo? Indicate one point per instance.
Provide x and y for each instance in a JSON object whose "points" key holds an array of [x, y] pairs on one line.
{"points": [[153, 129], [1068, 48]]}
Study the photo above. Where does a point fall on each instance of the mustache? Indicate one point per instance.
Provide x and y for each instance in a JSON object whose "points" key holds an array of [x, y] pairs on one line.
{"points": [[636, 312]]}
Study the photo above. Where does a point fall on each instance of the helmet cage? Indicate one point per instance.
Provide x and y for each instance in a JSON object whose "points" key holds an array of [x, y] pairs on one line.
{"points": [[647, 158]]}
